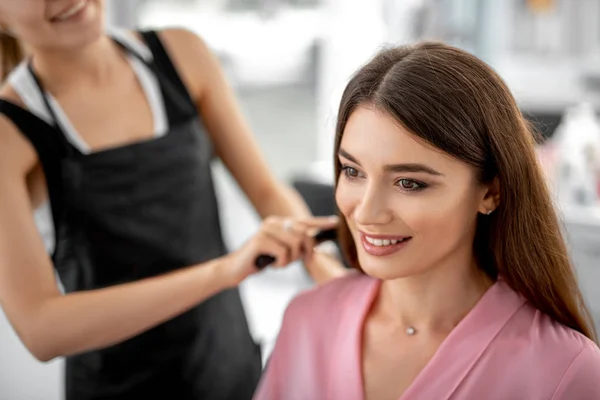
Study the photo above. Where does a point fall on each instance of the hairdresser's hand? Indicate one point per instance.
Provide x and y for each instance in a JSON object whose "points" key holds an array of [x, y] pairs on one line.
{"points": [[286, 239]]}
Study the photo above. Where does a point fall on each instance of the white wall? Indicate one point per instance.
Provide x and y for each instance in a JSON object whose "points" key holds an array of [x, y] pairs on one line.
{"points": [[121, 12], [21, 376]]}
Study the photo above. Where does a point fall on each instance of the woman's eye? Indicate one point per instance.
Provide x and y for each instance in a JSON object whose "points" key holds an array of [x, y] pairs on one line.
{"points": [[410, 185], [350, 172]]}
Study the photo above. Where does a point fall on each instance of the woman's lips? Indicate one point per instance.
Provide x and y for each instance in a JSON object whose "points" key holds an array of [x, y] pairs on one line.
{"points": [[383, 245]]}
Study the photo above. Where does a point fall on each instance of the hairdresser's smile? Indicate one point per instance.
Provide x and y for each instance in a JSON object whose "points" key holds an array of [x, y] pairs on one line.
{"points": [[72, 12]]}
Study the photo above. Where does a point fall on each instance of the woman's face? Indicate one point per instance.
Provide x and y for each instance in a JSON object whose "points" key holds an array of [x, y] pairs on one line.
{"points": [[53, 25], [410, 207]]}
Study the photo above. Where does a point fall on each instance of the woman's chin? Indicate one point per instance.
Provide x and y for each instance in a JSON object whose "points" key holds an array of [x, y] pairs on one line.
{"points": [[384, 270]]}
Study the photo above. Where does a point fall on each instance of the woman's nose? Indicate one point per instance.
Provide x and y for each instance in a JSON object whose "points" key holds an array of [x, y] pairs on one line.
{"points": [[372, 208]]}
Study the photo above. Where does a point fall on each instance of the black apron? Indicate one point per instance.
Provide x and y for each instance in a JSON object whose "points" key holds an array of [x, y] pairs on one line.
{"points": [[137, 211]]}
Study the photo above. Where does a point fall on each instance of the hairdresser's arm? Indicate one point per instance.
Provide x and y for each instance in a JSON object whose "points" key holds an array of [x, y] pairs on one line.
{"points": [[51, 324], [234, 141]]}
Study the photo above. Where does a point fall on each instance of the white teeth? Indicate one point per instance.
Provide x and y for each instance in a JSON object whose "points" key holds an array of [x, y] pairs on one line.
{"points": [[72, 11], [381, 242]]}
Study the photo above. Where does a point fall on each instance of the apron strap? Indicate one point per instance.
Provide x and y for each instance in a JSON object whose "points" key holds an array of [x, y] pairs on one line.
{"points": [[177, 100], [70, 149], [163, 62], [51, 152]]}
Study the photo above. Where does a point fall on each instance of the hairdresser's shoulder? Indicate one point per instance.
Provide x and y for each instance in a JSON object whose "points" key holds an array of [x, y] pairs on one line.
{"points": [[16, 153], [325, 305], [190, 54]]}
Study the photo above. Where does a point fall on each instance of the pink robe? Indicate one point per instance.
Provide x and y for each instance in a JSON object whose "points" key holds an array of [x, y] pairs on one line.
{"points": [[504, 349]]}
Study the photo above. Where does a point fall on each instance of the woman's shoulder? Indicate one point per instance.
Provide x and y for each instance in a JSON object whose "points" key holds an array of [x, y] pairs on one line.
{"points": [[563, 355], [550, 333], [319, 316], [581, 377], [546, 337], [328, 299], [560, 342]]}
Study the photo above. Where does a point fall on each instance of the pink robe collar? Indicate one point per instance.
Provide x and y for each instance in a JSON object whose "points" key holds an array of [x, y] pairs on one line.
{"points": [[460, 350]]}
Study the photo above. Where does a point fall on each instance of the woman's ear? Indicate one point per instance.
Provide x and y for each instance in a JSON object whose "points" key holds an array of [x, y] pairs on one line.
{"points": [[491, 197]]}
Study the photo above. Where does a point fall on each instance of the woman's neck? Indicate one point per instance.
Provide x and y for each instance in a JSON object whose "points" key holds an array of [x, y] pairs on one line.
{"points": [[433, 302], [96, 65]]}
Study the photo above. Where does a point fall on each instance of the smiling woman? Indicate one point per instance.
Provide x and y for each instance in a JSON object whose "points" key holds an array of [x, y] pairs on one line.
{"points": [[67, 24], [465, 288], [430, 197]]}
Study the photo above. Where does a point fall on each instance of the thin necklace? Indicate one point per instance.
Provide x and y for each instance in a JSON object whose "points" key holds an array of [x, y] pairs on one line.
{"points": [[410, 331]]}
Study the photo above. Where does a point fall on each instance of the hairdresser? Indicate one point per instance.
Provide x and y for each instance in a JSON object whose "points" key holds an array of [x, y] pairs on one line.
{"points": [[102, 141]]}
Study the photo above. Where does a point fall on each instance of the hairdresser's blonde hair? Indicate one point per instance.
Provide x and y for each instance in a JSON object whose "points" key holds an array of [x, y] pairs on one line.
{"points": [[11, 54]]}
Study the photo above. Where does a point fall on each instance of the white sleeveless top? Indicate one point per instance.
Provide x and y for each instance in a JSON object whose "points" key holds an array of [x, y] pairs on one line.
{"points": [[24, 85]]}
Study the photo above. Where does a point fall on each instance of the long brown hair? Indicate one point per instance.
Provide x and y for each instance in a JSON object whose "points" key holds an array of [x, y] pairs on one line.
{"points": [[457, 103], [11, 54]]}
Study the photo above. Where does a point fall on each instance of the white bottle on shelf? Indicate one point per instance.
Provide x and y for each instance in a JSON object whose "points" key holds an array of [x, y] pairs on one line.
{"points": [[577, 142]]}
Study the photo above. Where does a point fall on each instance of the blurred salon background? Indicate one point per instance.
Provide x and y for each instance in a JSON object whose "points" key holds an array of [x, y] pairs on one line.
{"points": [[288, 61]]}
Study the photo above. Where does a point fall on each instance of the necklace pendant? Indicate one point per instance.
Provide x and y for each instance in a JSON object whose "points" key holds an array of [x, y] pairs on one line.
{"points": [[410, 331]]}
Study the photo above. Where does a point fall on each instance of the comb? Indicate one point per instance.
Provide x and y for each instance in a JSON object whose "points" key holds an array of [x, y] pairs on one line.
{"points": [[264, 260]]}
